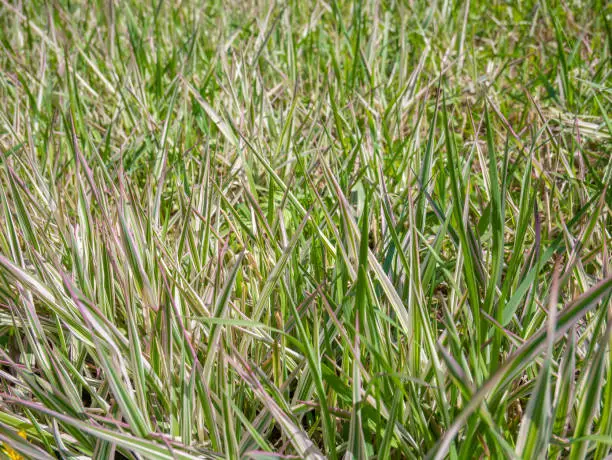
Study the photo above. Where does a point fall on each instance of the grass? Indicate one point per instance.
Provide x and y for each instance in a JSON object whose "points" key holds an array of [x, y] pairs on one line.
{"points": [[370, 229]]}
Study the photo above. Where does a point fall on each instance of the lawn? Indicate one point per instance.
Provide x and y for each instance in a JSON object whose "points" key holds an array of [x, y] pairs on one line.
{"points": [[321, 229]]}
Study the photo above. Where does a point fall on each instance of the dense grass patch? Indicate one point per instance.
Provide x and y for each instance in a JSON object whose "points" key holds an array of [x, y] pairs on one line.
{"points": [[370, 229]]}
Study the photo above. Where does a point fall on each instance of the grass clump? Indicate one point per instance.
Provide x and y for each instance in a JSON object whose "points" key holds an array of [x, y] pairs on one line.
{"points": [[347, 229]]}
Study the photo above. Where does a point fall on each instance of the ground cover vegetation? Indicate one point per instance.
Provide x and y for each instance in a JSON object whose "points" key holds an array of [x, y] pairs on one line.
{"points": [[369, 229]]}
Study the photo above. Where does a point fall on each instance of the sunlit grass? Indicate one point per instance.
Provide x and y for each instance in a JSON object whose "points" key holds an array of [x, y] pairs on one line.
{"points": [[315, 230]]}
